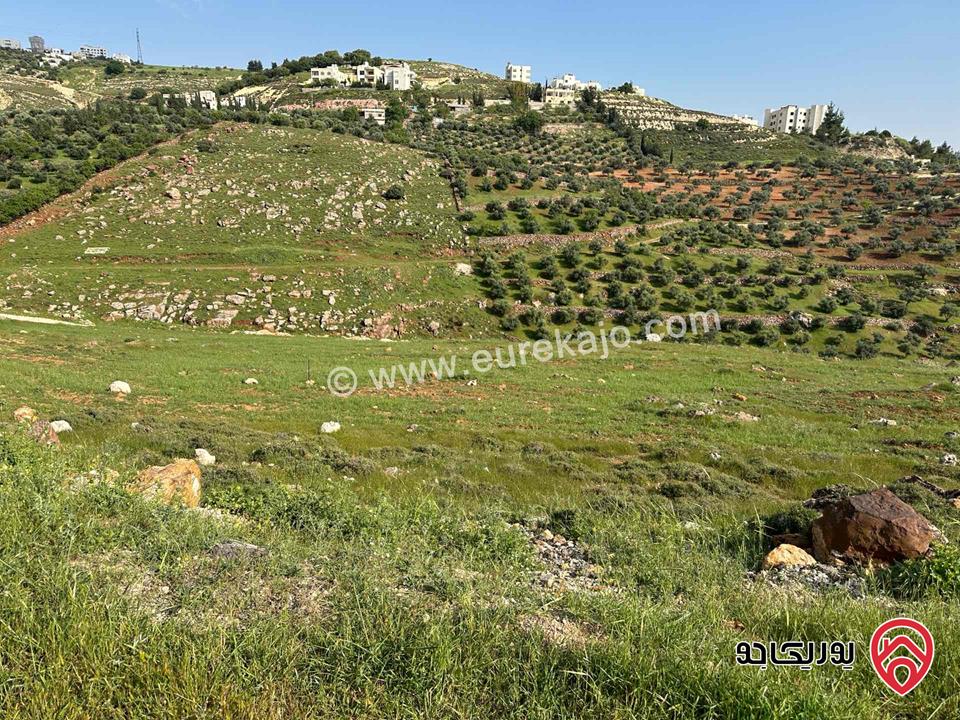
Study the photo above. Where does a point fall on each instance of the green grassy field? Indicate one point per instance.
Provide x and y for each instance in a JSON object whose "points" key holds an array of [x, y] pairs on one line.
{"points": [[395, 583]]}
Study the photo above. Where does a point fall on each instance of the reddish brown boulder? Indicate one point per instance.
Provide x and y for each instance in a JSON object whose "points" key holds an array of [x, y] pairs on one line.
{"points": [[876, 526]]}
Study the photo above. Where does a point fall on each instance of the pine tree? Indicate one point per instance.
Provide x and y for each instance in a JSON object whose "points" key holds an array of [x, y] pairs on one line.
{"points": [[832, 131]]}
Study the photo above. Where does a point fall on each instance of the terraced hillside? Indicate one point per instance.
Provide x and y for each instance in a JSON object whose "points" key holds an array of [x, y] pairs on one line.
{"points": [[90, 79], [280, 227], [451, 81], [20, 92]]}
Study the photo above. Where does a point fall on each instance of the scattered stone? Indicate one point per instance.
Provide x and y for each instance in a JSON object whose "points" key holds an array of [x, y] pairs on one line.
{"points": [[463, 269], [251, 381], [119, 387], [391, 471], [653, 337], [884, 422], [829, 495], [61, 426], [746, 417], [817, 578], [180, 480], [43, 433], [204, 458], [787, 554], [871, 527], [949, 459], [25, 414], [330, 427], [567, 565], [236, 550]]}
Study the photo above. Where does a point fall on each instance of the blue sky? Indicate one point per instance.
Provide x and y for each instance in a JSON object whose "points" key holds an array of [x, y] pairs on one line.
{"points": [[893, 65]]}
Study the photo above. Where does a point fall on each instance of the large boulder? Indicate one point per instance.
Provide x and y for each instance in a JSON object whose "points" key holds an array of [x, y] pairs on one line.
{"points": [[872, 527], [178, 481]]}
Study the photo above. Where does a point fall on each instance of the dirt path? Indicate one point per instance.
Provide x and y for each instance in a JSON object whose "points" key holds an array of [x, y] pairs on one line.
{"points": [[42, 320]]}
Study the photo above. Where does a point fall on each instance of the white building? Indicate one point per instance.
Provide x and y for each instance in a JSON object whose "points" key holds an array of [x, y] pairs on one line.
{"points": [[560, 96], [459, 108], [121, 57], [207, 99], [746, 119], [9, 44], [331, 72], [568, 81], [368, 74], [234, 101], [54, 57], [517, 73], [92, 51], [398, 77], [377, 114], [794, 119]]}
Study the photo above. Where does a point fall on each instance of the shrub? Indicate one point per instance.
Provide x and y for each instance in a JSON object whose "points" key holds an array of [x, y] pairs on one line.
{"points": [[935, 576], [394, 192]]}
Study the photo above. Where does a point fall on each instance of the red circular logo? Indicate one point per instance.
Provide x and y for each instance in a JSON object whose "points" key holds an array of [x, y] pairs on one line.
{"points": [[892, 650]]}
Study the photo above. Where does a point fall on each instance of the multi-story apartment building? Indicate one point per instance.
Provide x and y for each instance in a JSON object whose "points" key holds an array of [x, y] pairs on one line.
{"points": [[37, 45], [9, 44], [517, 73], [398, 77], [560, 96], [92, 52], [568, 81], [331, 72], [794, 119], [368, 74]]}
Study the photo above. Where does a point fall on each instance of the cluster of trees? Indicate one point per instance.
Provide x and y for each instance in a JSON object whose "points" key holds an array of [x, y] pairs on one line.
{"points": [[583, 287]]}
